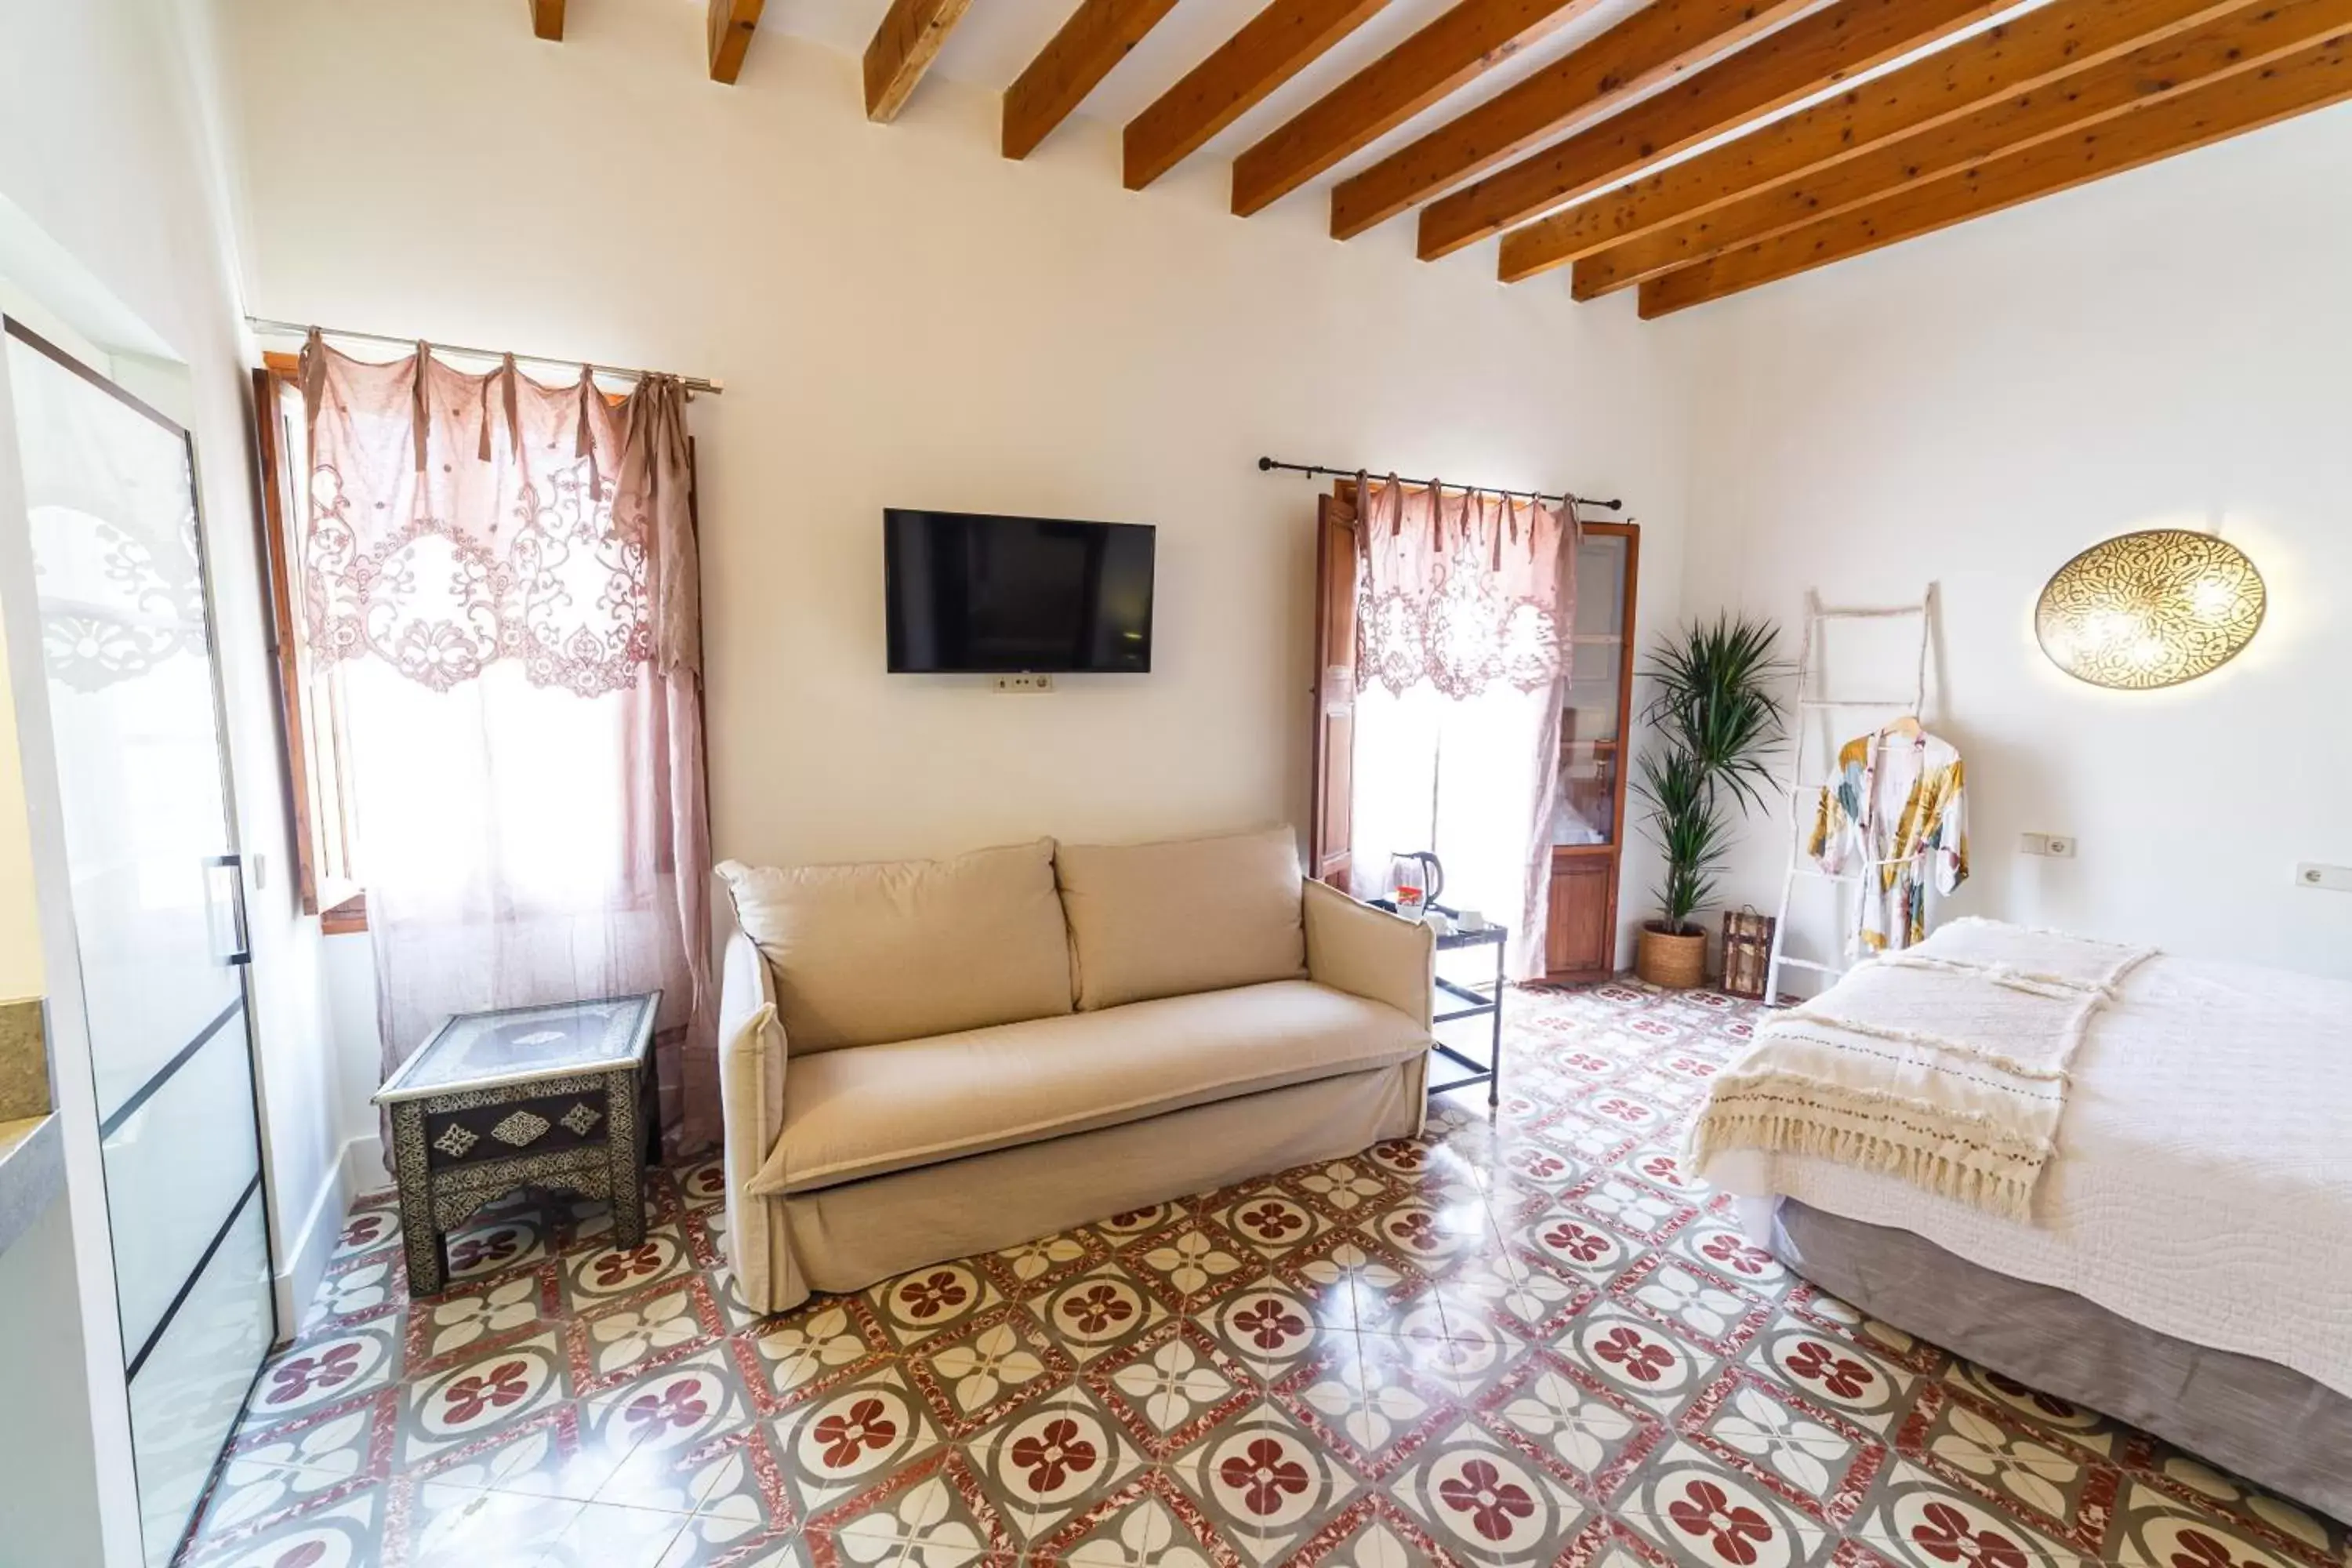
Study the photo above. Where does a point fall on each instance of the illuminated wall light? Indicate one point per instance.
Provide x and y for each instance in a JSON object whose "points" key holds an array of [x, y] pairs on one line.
{"points": [[2150, 609]]}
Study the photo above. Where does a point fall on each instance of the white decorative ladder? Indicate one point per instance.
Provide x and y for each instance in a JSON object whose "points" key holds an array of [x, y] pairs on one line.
{"points": [[1814, 698]]}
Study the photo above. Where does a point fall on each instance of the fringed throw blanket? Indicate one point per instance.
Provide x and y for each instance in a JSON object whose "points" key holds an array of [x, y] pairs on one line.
{"points": [[1945, 1064]]}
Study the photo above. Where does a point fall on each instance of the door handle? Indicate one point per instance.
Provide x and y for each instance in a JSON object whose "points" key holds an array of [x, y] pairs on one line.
{"points": [[235, 865]]}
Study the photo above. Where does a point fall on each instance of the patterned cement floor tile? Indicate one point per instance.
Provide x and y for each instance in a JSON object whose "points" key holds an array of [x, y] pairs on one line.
{"points": [[1272, 1327], [1265, 1481], [1056, 1461], [606, 1532], [932, 1511], [343, 1532], [798, 1355], [1527, 1337], [1195, 1262], [1173, 1385], [1021, 1269], [840, 1447], [1917, 1522], [1001, 1362], [1486, 1502], [1148, 1523]]}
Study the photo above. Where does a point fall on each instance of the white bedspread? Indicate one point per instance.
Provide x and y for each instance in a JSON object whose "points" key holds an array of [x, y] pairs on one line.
{"points": [[2204, 1182]]}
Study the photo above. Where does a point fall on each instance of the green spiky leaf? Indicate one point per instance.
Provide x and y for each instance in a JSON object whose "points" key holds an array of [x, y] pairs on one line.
{"points": [[1718, 726]]}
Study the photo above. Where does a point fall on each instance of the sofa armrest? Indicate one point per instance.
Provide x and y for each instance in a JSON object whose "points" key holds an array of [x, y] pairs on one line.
{"points": [[751, 1046], [1369, 953]]}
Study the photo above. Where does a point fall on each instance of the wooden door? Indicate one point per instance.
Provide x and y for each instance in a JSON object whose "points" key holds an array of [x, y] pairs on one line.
{"points": [[1595, 729], [1330, 822], [1580, 935]]}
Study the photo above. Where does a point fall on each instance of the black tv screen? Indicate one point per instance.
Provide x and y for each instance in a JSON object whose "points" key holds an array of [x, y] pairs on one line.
{"points": [[971, 593]]}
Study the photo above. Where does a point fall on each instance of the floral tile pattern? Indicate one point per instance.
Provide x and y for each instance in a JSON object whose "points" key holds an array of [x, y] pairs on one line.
{"points": [[1525, 1338]]}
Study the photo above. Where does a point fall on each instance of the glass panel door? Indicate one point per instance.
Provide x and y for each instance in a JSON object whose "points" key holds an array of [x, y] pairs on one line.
{"points": [[1590, 746], [157, 903]]}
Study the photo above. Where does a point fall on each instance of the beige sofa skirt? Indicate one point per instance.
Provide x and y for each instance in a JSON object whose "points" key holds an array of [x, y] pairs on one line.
{"points": [[849, 1236]]}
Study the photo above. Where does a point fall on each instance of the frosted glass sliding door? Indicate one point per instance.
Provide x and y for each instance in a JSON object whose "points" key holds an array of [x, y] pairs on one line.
{"points": [[158, 911]]}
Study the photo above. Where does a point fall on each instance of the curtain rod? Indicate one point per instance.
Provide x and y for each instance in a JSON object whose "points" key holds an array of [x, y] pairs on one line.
{"points": [[297, 328], [1267, 464]]}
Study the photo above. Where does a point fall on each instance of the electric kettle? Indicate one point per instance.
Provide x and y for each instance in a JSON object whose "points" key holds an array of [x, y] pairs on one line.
{"points": [[1415, 882]]}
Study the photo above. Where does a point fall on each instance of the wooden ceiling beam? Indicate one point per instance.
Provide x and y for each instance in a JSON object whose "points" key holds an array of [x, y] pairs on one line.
{"points": [[2309, 78], [1270, 48], [1804, 58], [727, 29], [1656, 43], [908, 39], [2244, 40], [547, 20], [1096, 37], [2062, 37], [1471, 37]]}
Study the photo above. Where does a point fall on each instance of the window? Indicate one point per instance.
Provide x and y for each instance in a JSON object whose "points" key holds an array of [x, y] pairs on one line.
{"points": [[318, 750], [320, 754]]}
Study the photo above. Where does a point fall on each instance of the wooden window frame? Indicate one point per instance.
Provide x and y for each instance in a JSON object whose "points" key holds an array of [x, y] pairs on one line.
{"points": [[322, 818]]}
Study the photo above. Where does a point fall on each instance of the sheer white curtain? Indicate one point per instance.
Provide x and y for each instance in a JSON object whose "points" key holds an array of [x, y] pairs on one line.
{"points": [[1461, 622]]}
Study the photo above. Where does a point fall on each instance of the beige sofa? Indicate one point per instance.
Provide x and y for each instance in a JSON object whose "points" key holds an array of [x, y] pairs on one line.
{"points": [[926, 1060]]}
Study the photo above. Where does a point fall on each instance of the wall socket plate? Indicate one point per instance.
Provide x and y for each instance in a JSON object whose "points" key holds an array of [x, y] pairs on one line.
{"points": [[2330, 878], [2057, 846], [1024, 683]]}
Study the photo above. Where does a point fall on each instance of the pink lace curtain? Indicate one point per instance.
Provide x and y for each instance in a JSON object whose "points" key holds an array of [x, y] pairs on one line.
{"points": [[1460, 590], [1461, 629], [499, 576]]}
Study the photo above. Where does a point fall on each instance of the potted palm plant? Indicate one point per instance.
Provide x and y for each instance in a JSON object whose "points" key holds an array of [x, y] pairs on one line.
{"points": [[1717, 725]]}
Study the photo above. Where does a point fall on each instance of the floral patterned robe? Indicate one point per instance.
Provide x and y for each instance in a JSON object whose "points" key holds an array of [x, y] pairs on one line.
{"points": [[1895, 813]]}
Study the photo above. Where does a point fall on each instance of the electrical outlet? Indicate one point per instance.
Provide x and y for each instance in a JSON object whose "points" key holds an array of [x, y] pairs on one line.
{"points": [[2056, 846], [2331, 879], [1024, 683]]}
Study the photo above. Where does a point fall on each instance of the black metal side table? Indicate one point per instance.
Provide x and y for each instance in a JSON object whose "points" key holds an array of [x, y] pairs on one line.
{"points": [[549, 1096], [1477, 1003]]}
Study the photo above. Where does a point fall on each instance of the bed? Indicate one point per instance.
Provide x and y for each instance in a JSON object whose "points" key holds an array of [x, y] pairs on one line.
{"points": [[2187, 1264]]}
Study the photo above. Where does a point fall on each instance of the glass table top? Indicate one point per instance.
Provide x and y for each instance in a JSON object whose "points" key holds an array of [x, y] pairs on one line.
{"points": [[515, 1045], [1474, 936]]}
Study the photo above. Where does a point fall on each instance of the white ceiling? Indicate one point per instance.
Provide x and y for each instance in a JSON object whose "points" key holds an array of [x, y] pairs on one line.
{"points": [[998, 39]]}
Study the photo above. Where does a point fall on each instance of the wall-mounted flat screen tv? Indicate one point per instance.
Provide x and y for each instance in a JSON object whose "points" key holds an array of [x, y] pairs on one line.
{"points": [[971, 593]]}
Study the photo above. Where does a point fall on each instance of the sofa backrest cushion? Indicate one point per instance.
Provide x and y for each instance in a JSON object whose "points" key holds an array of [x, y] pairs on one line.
{"points": [[1191, 914], [901, 950]]}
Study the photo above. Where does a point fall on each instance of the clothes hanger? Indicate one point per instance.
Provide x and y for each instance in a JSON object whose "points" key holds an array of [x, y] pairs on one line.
{"points": [[1907, 727]]}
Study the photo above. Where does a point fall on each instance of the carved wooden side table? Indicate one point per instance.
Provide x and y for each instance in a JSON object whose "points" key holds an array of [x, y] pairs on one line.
{"points": [[546, 1096]]}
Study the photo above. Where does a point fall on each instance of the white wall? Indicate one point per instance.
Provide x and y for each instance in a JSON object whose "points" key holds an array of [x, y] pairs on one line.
{"points": [[902, 317], [350, 966], [103, 154], [2170, 346], [49, 1508]]}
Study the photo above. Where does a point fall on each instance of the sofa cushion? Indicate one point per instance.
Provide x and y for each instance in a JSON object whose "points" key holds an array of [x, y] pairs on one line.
{"points": [[852, 1114], [1191, 914], [900, 949]]}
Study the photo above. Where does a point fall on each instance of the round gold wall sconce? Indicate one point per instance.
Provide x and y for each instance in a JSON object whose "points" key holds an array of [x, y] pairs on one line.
{"points": [[2150, 609]]}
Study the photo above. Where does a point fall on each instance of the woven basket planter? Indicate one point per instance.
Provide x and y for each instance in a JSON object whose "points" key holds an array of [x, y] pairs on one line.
{"points": [[1664, 959]]}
